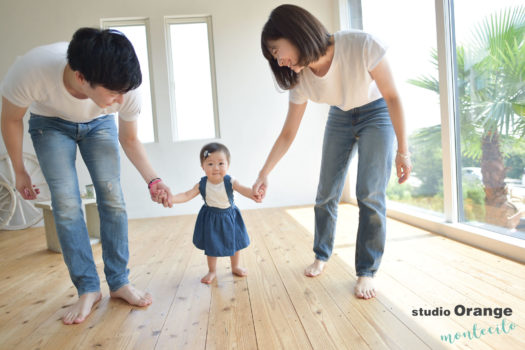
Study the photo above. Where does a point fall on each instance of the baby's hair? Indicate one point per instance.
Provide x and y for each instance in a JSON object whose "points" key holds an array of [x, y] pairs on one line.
{"points": [[214, 147]]}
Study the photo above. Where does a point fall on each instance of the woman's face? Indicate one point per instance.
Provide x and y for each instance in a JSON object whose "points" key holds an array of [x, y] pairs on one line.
{"points": [[285, 53]]}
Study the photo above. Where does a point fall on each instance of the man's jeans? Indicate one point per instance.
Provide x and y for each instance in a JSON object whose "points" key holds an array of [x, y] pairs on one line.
{"points": [[369, 127], [55, 141]]}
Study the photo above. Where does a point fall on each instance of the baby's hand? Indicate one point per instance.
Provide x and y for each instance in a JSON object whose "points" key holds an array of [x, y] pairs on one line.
{"points": [[256, 198]]}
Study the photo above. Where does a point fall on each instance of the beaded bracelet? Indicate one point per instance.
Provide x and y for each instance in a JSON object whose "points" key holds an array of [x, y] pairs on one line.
{"points": [[154, 181], [404, 155]]}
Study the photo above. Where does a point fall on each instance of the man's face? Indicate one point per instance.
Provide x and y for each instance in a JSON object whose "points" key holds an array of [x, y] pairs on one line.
{"points": [[103, 97]]}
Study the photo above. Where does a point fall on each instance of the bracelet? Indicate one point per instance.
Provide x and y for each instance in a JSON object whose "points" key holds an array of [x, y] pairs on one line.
{"points": [[404, 155], [154, 181]]}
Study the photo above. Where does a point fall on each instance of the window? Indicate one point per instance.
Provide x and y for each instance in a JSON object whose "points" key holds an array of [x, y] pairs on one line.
{"points": [[410, 57], [491, 104], [136, 30], [192, 78], [464, 100]]}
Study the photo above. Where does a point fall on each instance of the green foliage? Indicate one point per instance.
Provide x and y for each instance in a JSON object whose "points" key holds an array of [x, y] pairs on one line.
{"points": [[491, 92]]}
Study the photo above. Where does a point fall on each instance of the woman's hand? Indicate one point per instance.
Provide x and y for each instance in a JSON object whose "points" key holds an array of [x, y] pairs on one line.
{"points": [[403, 166], [259, 188]]}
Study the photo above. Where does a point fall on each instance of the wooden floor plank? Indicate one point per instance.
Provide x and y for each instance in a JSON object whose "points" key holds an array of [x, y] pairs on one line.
{"points": [[186, 322], [275, 306], [230, 323], [276, 323], [326, 326], [378, 327]]}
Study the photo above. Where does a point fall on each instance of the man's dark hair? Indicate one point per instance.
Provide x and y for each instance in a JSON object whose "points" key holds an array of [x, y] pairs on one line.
{"points": [[213, 147], [303, 30], [106, 58]]}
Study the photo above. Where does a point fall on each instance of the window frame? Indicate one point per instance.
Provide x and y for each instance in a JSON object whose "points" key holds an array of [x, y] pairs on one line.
{"points": [[107, 23]]}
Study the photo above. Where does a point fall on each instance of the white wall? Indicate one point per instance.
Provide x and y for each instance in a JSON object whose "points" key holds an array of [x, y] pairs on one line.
{"points": [[251, 111]]}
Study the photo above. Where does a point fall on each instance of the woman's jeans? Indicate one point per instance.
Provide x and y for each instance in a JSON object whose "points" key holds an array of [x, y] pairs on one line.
{"points": [[55, 141], [369, 127]]}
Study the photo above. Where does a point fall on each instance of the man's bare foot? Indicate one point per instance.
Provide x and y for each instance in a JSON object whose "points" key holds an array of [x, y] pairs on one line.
{"points": [[80, 310], [239, 271], [315, 269], [208, 278], [132, 295], [365, 288]]}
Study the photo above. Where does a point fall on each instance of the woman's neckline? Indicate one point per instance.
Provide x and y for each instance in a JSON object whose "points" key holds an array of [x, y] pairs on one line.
{"points": [[332, 47]]}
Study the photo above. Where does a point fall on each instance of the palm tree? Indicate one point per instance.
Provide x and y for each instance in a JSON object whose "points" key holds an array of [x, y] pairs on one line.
{"points": [[491, 90]]}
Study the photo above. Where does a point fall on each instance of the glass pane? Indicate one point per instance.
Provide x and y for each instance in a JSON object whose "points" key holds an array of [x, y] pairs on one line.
{"points": [[411, 54], [190, 60], [137, 35], [490, 51]]}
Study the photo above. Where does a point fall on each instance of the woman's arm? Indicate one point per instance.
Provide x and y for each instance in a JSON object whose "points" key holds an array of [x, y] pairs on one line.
{"points": [[185, 196], [385, 82], [280, 147], [245, 191]]}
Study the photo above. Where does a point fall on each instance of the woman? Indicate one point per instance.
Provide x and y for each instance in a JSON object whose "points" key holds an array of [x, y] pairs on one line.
{"points": [[348, 71]]}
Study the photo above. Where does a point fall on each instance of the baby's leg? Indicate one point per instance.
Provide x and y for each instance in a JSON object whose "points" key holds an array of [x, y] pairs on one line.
{"points": [[212, 266], [236, 269]]}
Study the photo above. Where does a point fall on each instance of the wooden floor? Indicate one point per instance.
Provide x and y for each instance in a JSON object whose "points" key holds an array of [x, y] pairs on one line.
{"points": [[275, 307]]}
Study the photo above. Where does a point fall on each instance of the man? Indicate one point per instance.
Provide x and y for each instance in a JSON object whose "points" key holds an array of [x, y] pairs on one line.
{"points": [[72, 92]]}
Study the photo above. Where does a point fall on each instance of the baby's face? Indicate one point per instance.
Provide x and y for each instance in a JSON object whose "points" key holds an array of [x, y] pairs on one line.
{"points": [[215, 166]]}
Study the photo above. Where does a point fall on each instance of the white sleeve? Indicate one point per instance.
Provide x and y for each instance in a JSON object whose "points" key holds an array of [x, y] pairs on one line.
{"points": [[130, 109], [17, 84], [373, 51], [297, 96]]}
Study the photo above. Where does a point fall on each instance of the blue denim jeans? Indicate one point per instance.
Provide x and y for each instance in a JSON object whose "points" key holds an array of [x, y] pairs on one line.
{"points": [[55, 141], [369, 127]]}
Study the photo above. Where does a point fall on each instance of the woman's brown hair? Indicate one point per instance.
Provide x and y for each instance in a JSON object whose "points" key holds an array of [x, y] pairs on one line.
{"points": [[303, 30]]}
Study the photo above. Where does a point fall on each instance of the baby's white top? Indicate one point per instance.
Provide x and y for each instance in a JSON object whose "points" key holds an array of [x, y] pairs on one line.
{"points": [[216, 195]]}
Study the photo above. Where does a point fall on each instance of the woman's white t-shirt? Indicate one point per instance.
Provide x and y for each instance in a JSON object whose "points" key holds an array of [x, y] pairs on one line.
{"points": [[348, 83], [36, 81]]}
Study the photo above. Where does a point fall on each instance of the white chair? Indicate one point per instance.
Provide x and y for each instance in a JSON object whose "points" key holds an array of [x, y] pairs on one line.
{"points": [[15, 212]]}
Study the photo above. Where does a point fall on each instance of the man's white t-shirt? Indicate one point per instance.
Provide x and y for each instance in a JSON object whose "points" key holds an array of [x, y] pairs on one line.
{"points": [[348, 83], [36, 81]]}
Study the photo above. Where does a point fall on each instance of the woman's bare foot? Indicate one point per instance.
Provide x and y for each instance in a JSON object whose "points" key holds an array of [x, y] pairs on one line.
{"points": [[80, 310], [365, 288], [132, 295], [239, 271], [208, 278], [315, 269]]}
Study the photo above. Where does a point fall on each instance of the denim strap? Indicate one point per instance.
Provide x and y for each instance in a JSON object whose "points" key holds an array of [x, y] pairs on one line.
{"points": [[202, 188], [229, 188]]}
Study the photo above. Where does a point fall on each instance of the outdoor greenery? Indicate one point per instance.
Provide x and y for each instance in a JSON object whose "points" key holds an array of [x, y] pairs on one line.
{"points": [[491, 105]]}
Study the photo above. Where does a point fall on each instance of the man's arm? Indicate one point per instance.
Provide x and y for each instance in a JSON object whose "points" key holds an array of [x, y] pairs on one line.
{"points": [[136, 153], [13, 133]]}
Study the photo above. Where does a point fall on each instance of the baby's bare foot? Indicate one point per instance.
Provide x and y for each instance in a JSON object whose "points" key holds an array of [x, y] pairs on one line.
{"points": [[315, 269], [80, 310], [132, 295], [208, 278], [365, 288], [239, 271]]}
